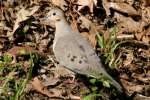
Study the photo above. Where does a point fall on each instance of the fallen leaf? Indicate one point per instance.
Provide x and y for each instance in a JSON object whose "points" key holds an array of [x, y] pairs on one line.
{"points": [[91, 35], [26, 65], [50, 81], [74, 24], [132, 87], [22, 15], [139, 35], [125, 36], [89, 3], [93, 40], [129, 59], [39, 87], [60, 3], [146, 39], [146, 3], [142, 77], [146, 36], [2, 42], [127, 24], [86, 23], [146, 15], [16, 50], [141, 97], [120, 7], [62, 71]]}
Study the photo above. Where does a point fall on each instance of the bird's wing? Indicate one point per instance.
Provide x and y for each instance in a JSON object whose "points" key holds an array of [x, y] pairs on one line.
{"points": [[77, 55]]}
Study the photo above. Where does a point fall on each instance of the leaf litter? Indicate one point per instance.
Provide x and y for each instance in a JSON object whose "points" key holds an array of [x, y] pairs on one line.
{"points": [[27, 41]]}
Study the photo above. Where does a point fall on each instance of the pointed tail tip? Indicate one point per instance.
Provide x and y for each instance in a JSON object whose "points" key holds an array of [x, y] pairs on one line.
{"points": [[118, 86]]}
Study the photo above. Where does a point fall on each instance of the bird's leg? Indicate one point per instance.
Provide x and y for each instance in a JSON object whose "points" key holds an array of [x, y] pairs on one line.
{"points": [[71, 79], [62, 71]]}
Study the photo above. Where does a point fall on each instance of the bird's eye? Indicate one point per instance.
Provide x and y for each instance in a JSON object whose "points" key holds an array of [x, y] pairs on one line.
{"points": [[54, 14]]}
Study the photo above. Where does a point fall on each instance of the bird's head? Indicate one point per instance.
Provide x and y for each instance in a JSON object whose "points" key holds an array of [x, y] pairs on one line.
{"points": [[55, 15]]}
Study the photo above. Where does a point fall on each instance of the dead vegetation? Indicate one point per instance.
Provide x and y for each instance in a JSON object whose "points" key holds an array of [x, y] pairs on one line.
{"points": [[119, 30]]}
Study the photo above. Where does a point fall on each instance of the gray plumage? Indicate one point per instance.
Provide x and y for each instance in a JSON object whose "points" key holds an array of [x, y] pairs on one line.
{"points": [[74, 52]]}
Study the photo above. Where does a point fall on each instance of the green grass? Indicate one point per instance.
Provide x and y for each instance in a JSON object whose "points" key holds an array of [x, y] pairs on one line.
{"points": [[12, 87], [110, 45], [92, 96]]}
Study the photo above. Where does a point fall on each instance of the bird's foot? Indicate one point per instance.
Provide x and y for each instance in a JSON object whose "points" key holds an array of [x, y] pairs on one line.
{"points": [[70, 80]]}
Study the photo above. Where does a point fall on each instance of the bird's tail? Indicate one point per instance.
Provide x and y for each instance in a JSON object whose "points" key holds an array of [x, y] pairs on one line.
{"points": [[116, 84]]}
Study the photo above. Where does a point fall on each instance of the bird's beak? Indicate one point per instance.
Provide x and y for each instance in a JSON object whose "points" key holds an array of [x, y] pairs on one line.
{"points": [[47, 21], [45, 18]]}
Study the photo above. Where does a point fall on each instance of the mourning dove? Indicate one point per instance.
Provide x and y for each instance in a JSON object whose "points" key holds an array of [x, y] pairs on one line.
{"points": [[74, 52]]}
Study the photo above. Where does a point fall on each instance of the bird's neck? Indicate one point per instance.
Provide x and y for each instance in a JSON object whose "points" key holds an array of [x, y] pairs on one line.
{"points": [[62, 28]]}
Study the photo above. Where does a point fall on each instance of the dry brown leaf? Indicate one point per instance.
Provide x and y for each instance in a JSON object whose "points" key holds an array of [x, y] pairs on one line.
{"points": [[125, 36], [146, 3], [121, 7], [74, 24], [73, 97], [26, 65], [129, 59], [22, 50], [62, 71], [89, 3], [141, 97], [60, 3], [2, 42], [132, 87], [85, 34], [92, 39], [16, 50], [91, 35], [146, 39], [127, 24], [124, 76], [1, 46], [121, 1], [43, 43], [39, 87], [50, 81], [3, 26], [142, 78], [146, 15], [138, 35], [106, 35], [86, 23], [22, 15]]}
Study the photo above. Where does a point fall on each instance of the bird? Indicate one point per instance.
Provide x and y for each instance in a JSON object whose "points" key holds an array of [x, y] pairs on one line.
{"points": [[74, 52]]}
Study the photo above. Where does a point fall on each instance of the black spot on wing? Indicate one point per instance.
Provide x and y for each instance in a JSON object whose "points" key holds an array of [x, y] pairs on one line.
{"points": [[83, 60], [68, 55], [93, 54], [72, 58], [80, 61], [82, 48]]}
